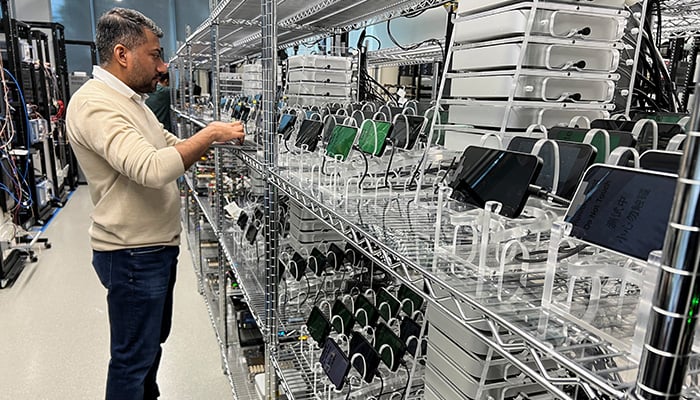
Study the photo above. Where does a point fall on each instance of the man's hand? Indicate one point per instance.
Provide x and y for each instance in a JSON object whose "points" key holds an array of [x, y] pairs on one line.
{"points": [[193, 148], [226, 131]]}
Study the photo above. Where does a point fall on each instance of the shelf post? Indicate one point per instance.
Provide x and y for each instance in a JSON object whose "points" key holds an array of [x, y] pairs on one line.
{"points": [[269, 103]]}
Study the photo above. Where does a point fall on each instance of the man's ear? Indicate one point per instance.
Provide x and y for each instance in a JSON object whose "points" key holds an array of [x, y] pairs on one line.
{"points": [[121, 55]]}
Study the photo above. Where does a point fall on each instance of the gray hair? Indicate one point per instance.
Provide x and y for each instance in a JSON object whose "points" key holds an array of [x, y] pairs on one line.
{"points": [[122, 26]]}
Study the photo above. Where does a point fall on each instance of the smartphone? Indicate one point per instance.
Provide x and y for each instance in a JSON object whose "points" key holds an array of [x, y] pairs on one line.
{"points": [[617, 139], [335, 363], [622, 209], [335, 257], [373, 141], [309, 134], [242, 220], [484, 174], [368, 367], [365, 312], [574, 159], [389, 346], [251, 233], [345, 323], [341, 141], [658, 116], [645, 139], [411, 300], [661, 161], [286, 125], [405, 136], [329, 122], [319, 263], [387, 304], [318, 325], [409, 333], [298, 269]]}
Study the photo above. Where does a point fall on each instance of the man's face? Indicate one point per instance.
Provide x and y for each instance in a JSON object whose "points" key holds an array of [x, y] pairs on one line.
{"points": [[146, 65]]}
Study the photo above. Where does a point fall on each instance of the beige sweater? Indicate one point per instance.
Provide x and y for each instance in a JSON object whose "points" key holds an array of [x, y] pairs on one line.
{"points": [[130, 165]]}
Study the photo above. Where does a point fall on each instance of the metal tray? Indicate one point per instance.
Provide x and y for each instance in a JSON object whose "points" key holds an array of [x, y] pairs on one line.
{"points": [[545, 88], [551, 56], [553, 23]]}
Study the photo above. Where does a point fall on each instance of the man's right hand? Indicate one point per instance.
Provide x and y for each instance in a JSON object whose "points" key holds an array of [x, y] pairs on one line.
{"points": [[226, 131]]}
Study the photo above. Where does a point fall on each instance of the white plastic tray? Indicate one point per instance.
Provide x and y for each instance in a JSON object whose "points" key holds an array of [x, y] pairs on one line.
{"points": [[553, 23], [519, 117], [322, 62], [533, 87], [472, 6], [537, 55], [316, 75], [314, 100], [319, 89]]}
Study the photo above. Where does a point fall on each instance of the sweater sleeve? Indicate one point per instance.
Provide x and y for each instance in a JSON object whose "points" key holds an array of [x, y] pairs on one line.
{"points": [[111, 136], [171, 139]]}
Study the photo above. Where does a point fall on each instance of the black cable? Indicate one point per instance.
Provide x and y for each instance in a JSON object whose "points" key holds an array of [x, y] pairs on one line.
{"points": [[349, 390], [415, 46], [381, 390], [564, 253], [379, 42], [366, 170], [391, 160]]}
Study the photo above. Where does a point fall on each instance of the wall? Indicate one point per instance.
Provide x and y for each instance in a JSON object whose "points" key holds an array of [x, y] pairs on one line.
{"points": [[32, 10]]}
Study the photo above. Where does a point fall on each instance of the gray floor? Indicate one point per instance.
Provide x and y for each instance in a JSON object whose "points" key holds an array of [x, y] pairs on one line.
{"points": [[54, 335]]}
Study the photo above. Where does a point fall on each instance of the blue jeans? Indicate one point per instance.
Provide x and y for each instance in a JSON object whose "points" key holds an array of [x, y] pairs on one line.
{"points": [[139, 286]]}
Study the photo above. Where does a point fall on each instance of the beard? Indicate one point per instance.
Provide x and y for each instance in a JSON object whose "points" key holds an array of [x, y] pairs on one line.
{"points": [[142, 81]]}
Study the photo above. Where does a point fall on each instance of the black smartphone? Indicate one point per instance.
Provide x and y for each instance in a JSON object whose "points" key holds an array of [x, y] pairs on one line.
{"points": [[661, 161], [335, 363], [368, 365], [342, 320], [485, 174], [341, 141], [574, 159], [389, 346], [411, 300], [329, 122], [617, 139], [318, 325], [394, 111], [242, 220], [286, 125], [298, 268], [664, 117], [407, 129], [622, 209], [335, 257], [309, 134], [251, 233], [317, 262], [645, 139], [409, 332], [387, 304], [365, 312], [373, 137]]}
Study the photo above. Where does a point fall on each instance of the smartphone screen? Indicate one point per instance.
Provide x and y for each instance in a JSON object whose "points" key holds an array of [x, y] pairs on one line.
{"points": [[286, 125], [617, 139], [335, 363], [345, 323], [411, 300], [329, 123], [405, 137], [336, 257], [341, 141], [365, 312], [661, 161], [574, 159], [373, 141], [387, 304], [242, 220], [298, 268], [390, 348], [622, 209], [485, 174], [319, 263], [318, 325], [410, 334], [368, 368], [309, 133], [251, 233], [665, 117], [665, 131]]}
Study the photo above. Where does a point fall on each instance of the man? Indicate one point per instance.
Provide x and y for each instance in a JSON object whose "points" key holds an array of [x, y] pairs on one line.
{"points": [[159, 101], [131, 164]]}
